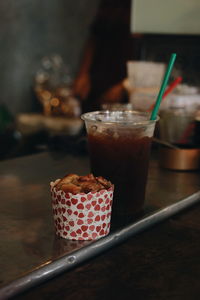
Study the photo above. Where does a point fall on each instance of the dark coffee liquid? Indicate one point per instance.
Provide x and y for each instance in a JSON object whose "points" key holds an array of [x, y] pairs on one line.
{"points": [[124, 161]]}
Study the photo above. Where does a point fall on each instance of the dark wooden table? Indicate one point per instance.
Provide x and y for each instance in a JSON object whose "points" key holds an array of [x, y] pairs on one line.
{"points": [[162, 262]]}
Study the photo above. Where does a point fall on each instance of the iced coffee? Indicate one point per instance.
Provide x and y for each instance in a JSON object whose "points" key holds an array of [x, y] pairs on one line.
{"points": [[119, 147]]}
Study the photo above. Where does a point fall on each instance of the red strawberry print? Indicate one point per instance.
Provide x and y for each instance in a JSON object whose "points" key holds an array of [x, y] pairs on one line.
{"points": [[103, 217], [94, 203], [85, 235], [84, 227], [102, 232], [69, 211], [100, 200], [89, 196], [88, 206], [74, 201], [80, 222], [73, 234], [83, 199], [63, 210], [97, 207], [108, 207], [81, 215], [108, 215], [97, 218], [103, 208], [80, 206], [91, 227], [90, 214], [94, 235], [89, 221], [64, 218], [71, 223], [98, 228]]}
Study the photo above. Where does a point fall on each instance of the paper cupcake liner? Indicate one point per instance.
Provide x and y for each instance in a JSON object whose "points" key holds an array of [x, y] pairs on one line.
{"points": [[82, 216]]}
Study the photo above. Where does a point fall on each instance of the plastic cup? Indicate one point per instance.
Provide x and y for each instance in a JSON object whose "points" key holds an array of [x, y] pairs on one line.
{"points": [[117, 106], [119, 147]]}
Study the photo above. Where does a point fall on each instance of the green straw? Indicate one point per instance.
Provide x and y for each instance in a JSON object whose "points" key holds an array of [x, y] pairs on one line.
{"points": [[163, 86]]}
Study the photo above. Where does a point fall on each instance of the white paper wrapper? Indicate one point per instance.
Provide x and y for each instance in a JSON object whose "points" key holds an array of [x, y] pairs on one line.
{"points": [[82, 216]]}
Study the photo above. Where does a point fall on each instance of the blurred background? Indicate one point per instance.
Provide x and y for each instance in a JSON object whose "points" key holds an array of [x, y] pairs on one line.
{"points": [[61, 58], [31, 30]]}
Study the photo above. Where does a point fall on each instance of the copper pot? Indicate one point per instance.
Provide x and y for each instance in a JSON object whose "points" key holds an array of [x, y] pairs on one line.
{"points": [[179, 159]]}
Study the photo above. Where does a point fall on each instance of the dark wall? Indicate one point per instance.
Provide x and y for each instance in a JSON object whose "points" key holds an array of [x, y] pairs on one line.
{"points": [[31, 29]]}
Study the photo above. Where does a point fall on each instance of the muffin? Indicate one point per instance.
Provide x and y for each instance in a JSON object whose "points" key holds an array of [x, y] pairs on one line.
{"points": [[82, 206]]}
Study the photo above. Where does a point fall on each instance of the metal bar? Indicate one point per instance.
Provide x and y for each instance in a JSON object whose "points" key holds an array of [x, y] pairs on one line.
{"points": [[70, 261]]}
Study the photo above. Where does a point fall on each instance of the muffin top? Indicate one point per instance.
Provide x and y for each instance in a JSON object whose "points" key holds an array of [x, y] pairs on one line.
{"points": [[75, 184]]}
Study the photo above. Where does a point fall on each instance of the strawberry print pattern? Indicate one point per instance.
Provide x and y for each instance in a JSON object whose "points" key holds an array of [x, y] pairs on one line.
{"points": [[82, 216]]}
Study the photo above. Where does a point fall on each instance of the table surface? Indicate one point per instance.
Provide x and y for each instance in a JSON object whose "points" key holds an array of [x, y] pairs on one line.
{"points": [[159, 263]]}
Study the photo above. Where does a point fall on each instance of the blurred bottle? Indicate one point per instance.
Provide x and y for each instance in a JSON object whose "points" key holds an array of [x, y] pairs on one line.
{"points": [[177, 121], [53, 88]]}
